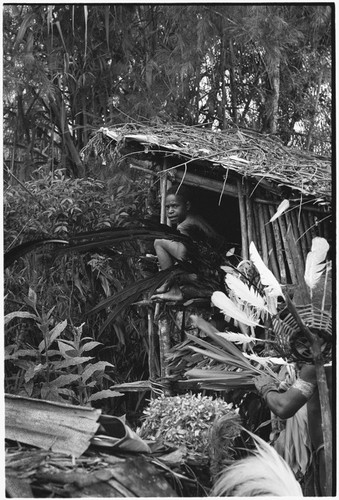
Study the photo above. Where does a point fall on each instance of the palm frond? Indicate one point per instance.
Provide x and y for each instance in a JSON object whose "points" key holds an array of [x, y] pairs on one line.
{"points": [[227, 360], [28, 246], [220, 355], [124, 299], [220, 380], [136, 288], [199, 375], [212, 332]]}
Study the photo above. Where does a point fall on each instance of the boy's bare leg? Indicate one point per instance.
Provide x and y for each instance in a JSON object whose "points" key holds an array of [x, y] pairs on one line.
{"points": [[166, 249]]}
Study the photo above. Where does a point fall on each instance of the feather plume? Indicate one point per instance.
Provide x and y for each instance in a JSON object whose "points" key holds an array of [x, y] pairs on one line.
{"points": [[241, 290], [227, 269], [265, 360], [280, 210], [268, 279], [264, 474], [237, 338], [229, 308], [315, 261]]}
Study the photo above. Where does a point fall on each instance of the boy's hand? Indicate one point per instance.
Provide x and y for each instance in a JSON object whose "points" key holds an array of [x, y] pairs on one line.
{"points": [[264, 384]]}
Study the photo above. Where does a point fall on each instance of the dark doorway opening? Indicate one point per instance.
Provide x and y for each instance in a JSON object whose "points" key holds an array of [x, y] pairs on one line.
{"points": [[222, 214]]}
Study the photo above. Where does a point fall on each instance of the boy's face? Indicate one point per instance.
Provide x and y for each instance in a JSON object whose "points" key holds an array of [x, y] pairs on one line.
{"points": [[176, 209]]}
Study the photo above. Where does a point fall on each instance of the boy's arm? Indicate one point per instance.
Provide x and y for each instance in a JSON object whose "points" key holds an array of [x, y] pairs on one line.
{"points": [[286, 404]]}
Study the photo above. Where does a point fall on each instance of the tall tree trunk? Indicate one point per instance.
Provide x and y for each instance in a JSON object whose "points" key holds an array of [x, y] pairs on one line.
{"points": [[314, 112], [273, 100], [222, 76], [233, 84], [57, 106]]}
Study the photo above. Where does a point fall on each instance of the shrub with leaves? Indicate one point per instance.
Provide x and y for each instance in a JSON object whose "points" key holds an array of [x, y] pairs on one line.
{"points": [[54, 206], [184, 420], [55, 365]]}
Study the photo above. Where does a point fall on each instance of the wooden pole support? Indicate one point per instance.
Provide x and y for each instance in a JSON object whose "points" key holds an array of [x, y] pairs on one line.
{"points": [[164, 329], [243, 223]]}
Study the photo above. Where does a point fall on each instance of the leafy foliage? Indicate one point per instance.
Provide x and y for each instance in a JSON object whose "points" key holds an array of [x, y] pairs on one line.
{"points": [[65, 373], [184, 420], [54, 206], [71, 68]]}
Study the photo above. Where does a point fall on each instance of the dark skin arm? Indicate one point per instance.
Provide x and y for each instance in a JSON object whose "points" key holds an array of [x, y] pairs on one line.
{"points": [[286, 404]]}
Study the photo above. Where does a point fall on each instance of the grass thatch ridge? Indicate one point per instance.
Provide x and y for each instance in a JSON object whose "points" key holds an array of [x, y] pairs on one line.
{"points": [[244, 151]]}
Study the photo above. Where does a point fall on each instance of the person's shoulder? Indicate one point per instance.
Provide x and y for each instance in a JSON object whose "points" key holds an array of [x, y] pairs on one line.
{"points": [[193, 218], [308, 373]]}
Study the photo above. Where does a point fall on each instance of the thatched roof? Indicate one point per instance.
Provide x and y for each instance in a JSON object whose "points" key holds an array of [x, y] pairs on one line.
{"points": [[245, 152]]}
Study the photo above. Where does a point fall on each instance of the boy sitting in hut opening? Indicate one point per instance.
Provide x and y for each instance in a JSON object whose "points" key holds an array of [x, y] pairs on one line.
{"points": [[178, 211]]}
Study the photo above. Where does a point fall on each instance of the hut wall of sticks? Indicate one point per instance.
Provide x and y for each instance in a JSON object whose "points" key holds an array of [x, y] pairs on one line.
{"points": [[240, 178]]}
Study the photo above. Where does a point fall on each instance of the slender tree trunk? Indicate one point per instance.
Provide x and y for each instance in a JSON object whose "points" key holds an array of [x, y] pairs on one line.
{"points": [[233, 84], [223, 82], [273, 101], [314, 112], [72, 151]]}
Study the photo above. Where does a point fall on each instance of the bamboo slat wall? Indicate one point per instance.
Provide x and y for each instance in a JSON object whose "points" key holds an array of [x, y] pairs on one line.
{"points": [[284, 243]]}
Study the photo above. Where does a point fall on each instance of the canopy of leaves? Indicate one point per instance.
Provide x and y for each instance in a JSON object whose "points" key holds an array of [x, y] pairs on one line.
{"points": [[70, 68]]}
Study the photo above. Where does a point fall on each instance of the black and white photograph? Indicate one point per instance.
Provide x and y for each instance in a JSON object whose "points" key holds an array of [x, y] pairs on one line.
{"points": [[169, 250]]}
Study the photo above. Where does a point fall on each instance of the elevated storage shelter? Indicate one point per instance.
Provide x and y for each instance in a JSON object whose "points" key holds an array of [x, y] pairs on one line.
{"points": [[238, 178]]}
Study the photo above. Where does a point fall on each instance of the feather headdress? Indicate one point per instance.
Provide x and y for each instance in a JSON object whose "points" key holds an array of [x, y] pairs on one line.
{"points": [[264, 474], [229, 308], [237, 338], [243, 292], [315, 261], [268, 279]]}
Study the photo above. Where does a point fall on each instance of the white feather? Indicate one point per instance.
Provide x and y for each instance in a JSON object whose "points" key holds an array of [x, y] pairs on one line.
{"points": [[280, 210], [237, 338], [264, 474], [268, 279], [229, 308], [315, 261], [272, 302], [227, 269], [265, 360], [241, 290]]}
